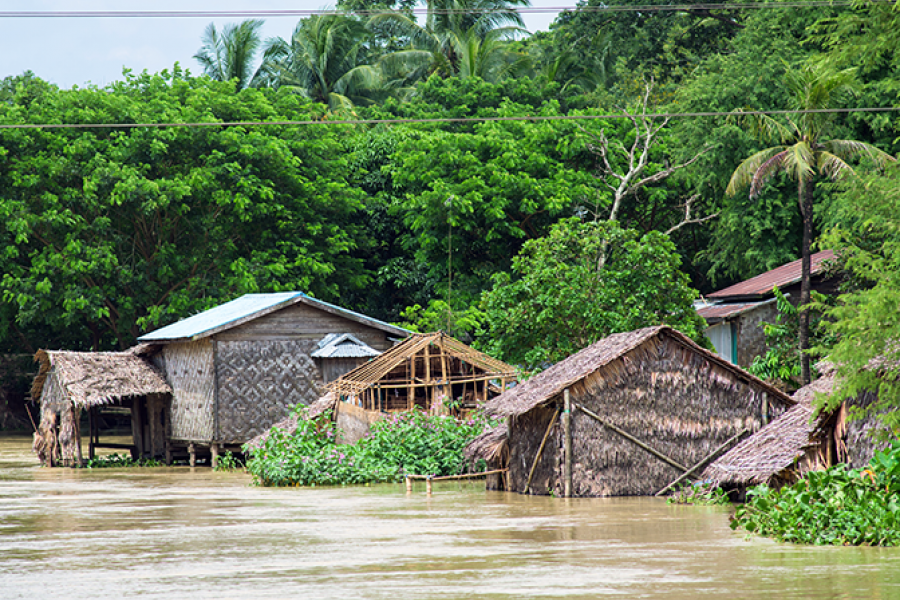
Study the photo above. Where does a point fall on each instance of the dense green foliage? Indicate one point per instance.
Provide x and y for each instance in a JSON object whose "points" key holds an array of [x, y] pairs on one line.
{"points": [[581, 283], [411, 443], [865, 321], [115, 461], [836, 506]]}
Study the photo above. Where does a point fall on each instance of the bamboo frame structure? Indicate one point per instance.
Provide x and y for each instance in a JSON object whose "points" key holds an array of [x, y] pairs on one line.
{"points": [[452, 370]]}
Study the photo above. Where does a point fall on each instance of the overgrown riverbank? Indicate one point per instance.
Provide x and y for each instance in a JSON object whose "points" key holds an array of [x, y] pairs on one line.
{"points": [[403, 443]]}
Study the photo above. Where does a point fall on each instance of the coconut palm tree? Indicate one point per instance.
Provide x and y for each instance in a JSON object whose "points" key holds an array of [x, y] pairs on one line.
{"points": [[325, 60], [231, 54], [459, 38], [803, 151]]}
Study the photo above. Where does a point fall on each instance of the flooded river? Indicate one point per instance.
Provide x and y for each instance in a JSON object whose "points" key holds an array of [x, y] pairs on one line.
{"points": [[178, 533]]}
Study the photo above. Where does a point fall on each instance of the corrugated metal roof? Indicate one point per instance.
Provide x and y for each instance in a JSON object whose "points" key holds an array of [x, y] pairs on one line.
{"points": [[763, 284], [249, 307], [717, 312], [344, 345]]}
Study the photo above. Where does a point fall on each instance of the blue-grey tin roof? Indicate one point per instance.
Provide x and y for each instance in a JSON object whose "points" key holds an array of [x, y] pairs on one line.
{"points": [[344, 345], [249, 307]]}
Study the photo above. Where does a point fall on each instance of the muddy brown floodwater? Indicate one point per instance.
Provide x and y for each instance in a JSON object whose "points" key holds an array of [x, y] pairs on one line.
{"points": [[178, 533]]}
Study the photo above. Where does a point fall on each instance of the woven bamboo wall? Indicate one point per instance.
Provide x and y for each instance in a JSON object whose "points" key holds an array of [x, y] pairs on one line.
{"points": [[674, 400], [259, 381], [189, 370]]}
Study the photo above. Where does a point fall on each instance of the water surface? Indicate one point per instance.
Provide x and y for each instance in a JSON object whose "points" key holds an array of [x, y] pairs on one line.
{"points": [[182, 533]]}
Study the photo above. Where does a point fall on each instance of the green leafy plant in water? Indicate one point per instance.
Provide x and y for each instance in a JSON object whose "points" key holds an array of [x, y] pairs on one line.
{"points": [[228, 462], [118, 461], [703, 492], [837, 506], [412, 443]]}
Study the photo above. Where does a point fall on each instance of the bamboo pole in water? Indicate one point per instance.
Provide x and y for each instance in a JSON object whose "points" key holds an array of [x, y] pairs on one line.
{"points": [[567, 433]]}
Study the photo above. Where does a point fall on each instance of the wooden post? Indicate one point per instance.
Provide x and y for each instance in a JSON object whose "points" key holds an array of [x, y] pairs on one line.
{"points": [[567, 436], [214, 454], [765, 409], [76, 415], [168, 454], [429, 391], [192, 453], [428, 485], [447, 389], [91, 433], [411, 398], [408, 484]]}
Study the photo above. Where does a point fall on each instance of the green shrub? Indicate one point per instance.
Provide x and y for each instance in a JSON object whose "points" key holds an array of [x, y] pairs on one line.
{"points": [[835, 506], [403, 443], [702, 492]]}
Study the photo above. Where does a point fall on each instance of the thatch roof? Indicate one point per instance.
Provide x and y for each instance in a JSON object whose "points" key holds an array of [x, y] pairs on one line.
{"points": [[372, 372], [548, 384], [488, 445], [775, 447], [95, 378]]}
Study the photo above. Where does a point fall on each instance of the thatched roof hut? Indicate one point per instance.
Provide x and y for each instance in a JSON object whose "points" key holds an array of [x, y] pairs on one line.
{"points": [[70, 382], [646, 406], [799, 441]]}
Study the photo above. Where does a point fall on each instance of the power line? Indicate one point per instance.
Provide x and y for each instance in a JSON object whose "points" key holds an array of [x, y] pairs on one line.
{"points": [[445, 119], [238, 14]]}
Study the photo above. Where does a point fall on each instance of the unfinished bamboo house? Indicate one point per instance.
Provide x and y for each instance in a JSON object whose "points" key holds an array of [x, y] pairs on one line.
{"points": [[432, 372], [70, 383], [238, 368], [799, 441], [629, 415]]}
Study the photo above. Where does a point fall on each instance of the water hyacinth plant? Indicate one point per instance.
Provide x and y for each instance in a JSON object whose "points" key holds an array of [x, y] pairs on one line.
{"points": [[836, 506], [402, 443]]}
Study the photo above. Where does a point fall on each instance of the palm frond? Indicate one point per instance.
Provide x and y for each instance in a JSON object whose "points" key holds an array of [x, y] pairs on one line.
{"points": [[833, 166], [743, 174], [767, 170], [853, 149]]}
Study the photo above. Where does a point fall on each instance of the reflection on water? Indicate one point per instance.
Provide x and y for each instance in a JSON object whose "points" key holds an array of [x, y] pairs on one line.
{"points": [[178, 533]]}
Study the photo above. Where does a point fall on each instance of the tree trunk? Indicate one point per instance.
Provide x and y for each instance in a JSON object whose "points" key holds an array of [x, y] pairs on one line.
{"points": [[806, 188]]}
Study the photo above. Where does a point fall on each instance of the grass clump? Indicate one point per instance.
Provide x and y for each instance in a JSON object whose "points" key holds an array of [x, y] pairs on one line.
{"points": [[402, 443], [837, 506]]}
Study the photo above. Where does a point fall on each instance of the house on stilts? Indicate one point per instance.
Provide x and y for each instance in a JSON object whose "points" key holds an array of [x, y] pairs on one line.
{"points": [[432, 372], [232, 371], [628, 415]]}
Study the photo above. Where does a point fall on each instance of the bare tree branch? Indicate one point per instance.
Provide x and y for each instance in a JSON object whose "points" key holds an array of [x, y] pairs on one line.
{"points": [[687, 220]]}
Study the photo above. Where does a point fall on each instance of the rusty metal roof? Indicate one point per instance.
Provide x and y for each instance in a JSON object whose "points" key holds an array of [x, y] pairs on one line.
{"points": [[763, 284]]}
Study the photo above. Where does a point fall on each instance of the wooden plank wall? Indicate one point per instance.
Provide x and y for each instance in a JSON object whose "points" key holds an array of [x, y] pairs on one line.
{"points": [[259, 381], [189, 370], [302, 322]]}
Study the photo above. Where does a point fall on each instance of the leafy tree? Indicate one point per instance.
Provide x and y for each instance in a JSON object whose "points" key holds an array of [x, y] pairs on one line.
{"points": [[560, 299], [865, 319], [106, 233], [803, 152], [325, 60], [231, 54]]}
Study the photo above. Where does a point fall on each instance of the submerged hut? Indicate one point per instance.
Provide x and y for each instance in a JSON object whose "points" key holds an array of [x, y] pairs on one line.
{"points": [[642, 409], [433, 372], [238, 368], [69, 383], [799, 441]]}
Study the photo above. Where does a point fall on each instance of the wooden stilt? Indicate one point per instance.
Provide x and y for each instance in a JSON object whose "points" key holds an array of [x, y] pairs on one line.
{"points": [[76, 415], [429, 391], [192, 454], [446, 388], [168, 454], [214, 454], [567, 433], [428, 485], [91, 426], [411, 393], [408, 485]]}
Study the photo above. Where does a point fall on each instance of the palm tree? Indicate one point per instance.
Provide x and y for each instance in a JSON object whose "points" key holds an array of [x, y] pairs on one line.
{"points": [[325, 60], [231, 54], [803, 152], [461, 38]]}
